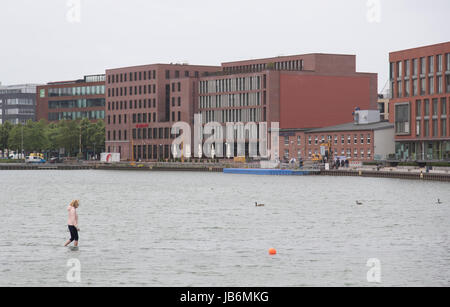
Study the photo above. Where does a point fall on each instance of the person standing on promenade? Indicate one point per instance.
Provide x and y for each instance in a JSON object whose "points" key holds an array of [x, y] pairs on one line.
{"points": [[73, 222]]}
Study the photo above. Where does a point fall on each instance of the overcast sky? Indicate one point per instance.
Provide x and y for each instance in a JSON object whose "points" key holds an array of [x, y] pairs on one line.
{"points": [[39, 43]]}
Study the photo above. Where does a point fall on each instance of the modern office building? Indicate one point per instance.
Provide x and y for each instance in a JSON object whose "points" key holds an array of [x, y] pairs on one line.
{"points": [[72, 100], [17, 103], [298, 92], [367, 138], [142, 104], [419, 105]]}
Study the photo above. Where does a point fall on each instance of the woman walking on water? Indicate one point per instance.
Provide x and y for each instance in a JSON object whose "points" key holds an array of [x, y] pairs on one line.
{"points": [[73, 222]]}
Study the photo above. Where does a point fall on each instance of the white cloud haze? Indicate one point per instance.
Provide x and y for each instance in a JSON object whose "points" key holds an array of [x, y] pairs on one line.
{"points": [[39, 45]]}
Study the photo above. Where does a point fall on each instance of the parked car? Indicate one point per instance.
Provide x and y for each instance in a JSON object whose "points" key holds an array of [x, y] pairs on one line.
{"points": [[56, 160], [35, 159]]}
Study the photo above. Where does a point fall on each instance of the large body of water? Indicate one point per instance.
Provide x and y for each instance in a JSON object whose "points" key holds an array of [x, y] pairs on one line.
{"points": [[203, 229]]}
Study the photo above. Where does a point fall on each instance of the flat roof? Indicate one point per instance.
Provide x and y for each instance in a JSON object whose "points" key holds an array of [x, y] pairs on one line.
{"points": [[163, 65], [355, 127], [421, 47], [286, 56]]}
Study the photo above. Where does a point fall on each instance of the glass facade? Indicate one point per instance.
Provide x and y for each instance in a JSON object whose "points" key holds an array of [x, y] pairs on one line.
{"points": [[76, 91], [402, 118], [423, 151], [92, 115], [77, 104]]}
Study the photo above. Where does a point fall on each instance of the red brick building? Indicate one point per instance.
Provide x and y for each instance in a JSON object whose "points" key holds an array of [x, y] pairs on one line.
{"points": [[359, 140], [71, 100], [142, 104], [303, 91], [299, 92], [420, 102]]}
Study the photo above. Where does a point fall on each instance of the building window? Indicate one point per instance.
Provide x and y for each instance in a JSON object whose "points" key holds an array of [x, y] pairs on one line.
{"points": [[418, 123], [407, 68], [435, 107], [309, 140], [399, 89], [407, 88], [335, 140], [369, 153], [369, 139], [431, 85], [427, 107], [418, 108], [399, 69], [439, 84], [349, 139], [355, 153], [439, 62], [431, 64], [402, 118], [286, 141], [423, 86], [415, 87], [426, 128], [392, 90], [447, 83], [415, 67], [362, 139], [444, 106], [447, 56], [435, 127], [299, 140], [362, 153], [422, 66], [444, 127]]}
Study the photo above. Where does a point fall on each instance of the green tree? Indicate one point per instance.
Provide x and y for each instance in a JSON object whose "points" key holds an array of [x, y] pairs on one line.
{"points": [[5, 130], [97, 136], [41, 136], [52, 132], [15, 137], [68, 136], [35, 137]]}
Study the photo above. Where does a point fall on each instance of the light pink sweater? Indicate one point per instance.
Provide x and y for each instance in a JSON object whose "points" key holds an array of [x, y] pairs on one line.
{"points": [[73, 216]]}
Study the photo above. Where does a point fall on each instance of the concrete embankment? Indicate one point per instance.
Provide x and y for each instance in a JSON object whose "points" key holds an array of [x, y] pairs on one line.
{"points": [[235, 169], [444, 177], [119, 166]]}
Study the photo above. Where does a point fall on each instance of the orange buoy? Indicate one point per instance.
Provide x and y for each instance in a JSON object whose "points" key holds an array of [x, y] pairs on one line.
{"points": [[272, 251]]}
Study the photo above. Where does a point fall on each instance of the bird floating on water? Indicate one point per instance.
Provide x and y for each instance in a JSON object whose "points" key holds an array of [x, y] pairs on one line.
{"points": [[359, 203], [259, 205], [439, 202]]}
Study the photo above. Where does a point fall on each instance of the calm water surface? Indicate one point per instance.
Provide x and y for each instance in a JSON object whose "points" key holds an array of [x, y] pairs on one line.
{"points": [[202, 229]]}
